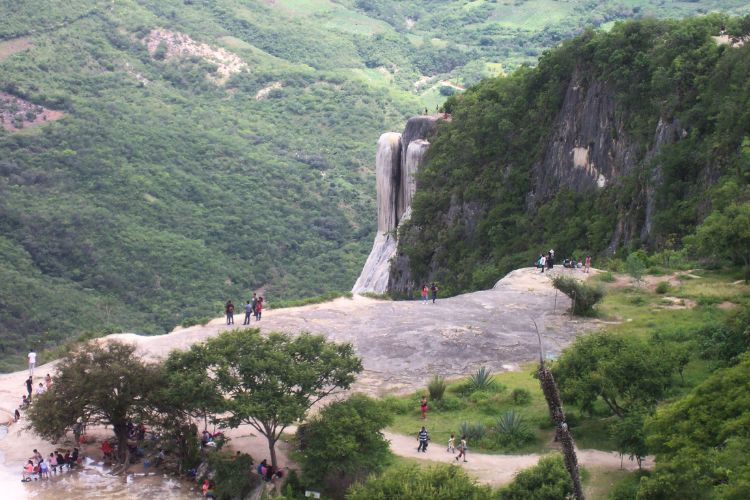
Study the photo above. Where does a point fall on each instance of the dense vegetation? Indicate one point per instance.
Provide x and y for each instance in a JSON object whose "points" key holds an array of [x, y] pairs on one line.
{"points": [[166, 188], [482, 180]]}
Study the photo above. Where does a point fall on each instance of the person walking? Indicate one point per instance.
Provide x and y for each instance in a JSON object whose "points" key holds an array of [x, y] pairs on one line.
{"points": [[462, 449], [452, 444], [422, 437], [248, 313], [30, 386], [32, 361], [229, 309], [434, 290], [425, 292], [258, 308]]}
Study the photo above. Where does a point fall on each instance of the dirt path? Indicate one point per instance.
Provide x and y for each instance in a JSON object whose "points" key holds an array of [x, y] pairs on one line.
{"points": [[500, 469]]}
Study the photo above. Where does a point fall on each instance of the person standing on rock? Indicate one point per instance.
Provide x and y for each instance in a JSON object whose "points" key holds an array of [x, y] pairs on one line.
{"points": [[29, 385], [422, 437], [550, 259], [425, 292], [229, 309], [587, 265], [542, 262], [248, 313], [462, 449], [254, 302], [258, 308], [434, 290], [32, 361]]}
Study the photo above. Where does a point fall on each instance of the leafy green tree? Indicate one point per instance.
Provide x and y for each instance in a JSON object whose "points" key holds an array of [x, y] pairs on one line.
{"points": [[269, 382], [584, 295], [233, 474], [701, 440], [97, 385], [344, 443], [724, 234], [635, 267], [547, 480], [446, 482], [625, 372], [630, 437]]}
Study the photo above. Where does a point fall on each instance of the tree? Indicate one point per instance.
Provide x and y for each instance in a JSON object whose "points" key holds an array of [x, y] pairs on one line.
{"points": [[446, 482], [547, 480], [584, 295], [269, 382], [629, 436], [635, 267], [724, 234], [625, 372], [95, 384], [344, 443]]}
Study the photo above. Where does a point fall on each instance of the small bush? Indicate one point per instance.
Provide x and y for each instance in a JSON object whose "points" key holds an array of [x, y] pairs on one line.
{"points": [[615, 265], [482, 379], [436, 387], [663, 287], [547, 479], [448, 403], [606, 277], [473, 432], [521, 396], [584, 296], [398, 406]]}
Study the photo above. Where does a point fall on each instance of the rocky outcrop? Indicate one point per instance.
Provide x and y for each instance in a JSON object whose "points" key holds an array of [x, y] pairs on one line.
{"points": [[397, 161]]}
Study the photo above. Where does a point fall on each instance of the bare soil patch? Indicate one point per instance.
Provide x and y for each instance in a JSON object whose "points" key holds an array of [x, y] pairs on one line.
{"points": [[10, 47], [17, 113]]}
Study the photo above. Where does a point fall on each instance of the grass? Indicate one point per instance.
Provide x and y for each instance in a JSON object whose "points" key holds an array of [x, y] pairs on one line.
{"points": [[600, 482]]}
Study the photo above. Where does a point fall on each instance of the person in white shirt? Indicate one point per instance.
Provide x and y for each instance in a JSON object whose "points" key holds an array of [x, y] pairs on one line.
{"points": [[40, 389], [32, 361]]}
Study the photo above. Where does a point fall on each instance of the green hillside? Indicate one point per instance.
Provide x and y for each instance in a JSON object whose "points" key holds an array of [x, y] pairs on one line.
{"points": [[159, 157], [487, 170]]}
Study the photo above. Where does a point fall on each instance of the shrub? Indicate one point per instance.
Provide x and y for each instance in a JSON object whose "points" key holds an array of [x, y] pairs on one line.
{"points": [[398, 406], [521, 396], [663, 287], [547, 479], [512, 430], [481, 379], [635, 266], [448, 403], [606, 277], [231, 474], [436, 387], [416, 483], [584, 296], [473, 432]]}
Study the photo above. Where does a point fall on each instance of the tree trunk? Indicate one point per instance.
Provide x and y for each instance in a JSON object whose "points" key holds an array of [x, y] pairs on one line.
{"points": [[121, 433], [272, 450]]}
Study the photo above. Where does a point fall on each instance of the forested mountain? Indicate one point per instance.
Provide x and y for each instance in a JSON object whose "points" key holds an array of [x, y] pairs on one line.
{"points": [[616, 141], [158, 157]]}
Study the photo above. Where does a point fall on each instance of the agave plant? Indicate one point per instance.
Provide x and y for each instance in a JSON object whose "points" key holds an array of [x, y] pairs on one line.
{"points": [[436, 387], [473, 432], [482, 379], [511, 423]]}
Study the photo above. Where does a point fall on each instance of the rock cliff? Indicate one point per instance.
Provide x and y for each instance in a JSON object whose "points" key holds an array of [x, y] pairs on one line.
{"points": [[397, 161]]}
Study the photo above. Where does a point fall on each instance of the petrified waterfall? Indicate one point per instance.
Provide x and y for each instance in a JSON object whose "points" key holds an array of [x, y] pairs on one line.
{"points": [[396, 163]]}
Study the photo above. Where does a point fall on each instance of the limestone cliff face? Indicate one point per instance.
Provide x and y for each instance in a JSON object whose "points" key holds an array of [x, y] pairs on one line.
{"points": [[397, 161]]}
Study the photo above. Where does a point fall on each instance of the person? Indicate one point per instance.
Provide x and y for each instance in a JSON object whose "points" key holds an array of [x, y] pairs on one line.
{"points": [[32, 362], [204, 488], [77, 431], [248, 312], [52, 462], [205, 437], [107, 450], [60, 459], [160, 457], [29, 386], [254, 302], [434, 290], [261, 469], [423, 407], [48, 381], [452, 443], [210, 493], [550, 259], [587, 266], [542, 262], [37, 456], [40, 389], [16, 415], [43, 470], [425, 291], [24, 402], [74, 458], [423, 437], [258, 309], [462, 449], [28, 471], [230, 313]]}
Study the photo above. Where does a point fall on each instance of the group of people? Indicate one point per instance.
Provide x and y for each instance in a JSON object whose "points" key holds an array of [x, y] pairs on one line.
{"points": [[547, 261], [253, 308], [37, 468], [267, 471], [423, 437], [427, 290]]}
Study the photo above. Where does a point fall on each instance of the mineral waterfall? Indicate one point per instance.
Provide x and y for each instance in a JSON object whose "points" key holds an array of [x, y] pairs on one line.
{"points": [[397, 161]]}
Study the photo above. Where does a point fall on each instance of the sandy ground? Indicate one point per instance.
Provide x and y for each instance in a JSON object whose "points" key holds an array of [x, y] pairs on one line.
{"points": [[402, 344]]}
